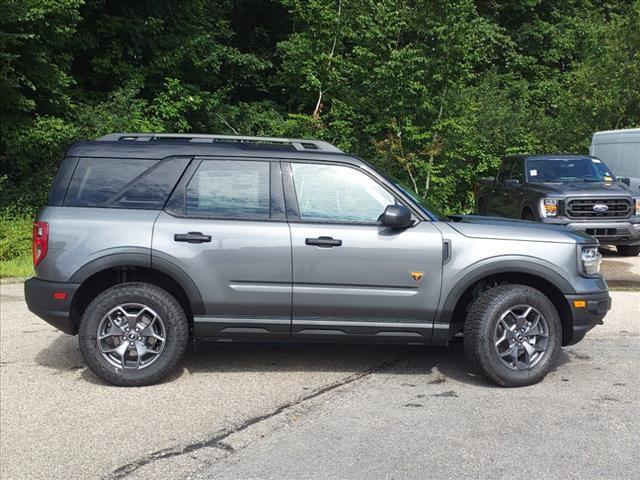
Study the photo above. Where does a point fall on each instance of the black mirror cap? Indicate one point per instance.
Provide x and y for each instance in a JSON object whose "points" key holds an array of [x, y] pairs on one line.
{"points": [[396, 216], [626, 181]]}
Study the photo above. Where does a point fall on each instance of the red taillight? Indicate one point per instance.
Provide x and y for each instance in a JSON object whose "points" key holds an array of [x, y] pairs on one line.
{"points": [[40, 241]]}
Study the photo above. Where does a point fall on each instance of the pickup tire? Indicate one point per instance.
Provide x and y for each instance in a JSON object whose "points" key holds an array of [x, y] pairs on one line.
{"points": [[513, 335], [133, 334], [628, 250]]}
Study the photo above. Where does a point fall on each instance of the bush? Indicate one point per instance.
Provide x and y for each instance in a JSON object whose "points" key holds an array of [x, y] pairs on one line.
{"points": [[15, 237]]}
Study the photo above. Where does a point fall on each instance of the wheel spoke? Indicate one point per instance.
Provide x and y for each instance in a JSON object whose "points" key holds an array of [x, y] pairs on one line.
{"points": [[528, 353], [140, 316], [535, 331], [149, 332], [141, 351], [529, 349], [114, 331], [509, 351], [521, 320], [130, 318]]}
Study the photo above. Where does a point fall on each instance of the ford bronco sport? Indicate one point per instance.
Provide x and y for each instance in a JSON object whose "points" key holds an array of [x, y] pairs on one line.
{"points": [[149, 241], [577, 191]]}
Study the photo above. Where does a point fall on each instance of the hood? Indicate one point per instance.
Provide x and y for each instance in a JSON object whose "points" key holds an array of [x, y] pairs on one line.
{"points": [[475, 226], [581, 189]]}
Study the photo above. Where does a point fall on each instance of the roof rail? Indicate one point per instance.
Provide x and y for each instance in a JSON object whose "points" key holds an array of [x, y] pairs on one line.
{"points": [[298, 144]]}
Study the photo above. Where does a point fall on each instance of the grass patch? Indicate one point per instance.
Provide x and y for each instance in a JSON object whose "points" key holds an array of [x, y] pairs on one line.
{"points": [[19, 267], [15, 246]]}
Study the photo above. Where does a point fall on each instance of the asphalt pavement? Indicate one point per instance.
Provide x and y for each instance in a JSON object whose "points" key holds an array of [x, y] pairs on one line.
{"points": [[318, 411]]}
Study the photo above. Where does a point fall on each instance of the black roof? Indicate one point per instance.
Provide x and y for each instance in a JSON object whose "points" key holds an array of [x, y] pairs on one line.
{"points": [[162, 149]]}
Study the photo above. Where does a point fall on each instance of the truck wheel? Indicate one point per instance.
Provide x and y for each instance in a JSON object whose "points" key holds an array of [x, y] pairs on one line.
{"points": [[513, 335], [628, 250], [133, 334]]}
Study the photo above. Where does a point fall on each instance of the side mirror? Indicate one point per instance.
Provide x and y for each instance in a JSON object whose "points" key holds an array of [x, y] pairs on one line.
{"points": [[511, 183], [487, 180], [396, 216], [626, 181]]}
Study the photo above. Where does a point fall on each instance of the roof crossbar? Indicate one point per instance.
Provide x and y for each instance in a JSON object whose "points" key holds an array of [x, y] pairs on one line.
{"points": [[298, 144]]}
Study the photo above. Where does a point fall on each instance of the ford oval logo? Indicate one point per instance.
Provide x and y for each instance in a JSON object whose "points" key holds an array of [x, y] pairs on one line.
{"points": [[600, 207]]}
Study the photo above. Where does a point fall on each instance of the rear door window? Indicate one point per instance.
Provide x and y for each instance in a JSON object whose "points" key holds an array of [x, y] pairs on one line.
{"points": [[124, 183], [230, 189]]}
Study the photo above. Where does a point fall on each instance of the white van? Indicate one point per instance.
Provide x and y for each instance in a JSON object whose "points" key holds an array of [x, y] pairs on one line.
{"points": [[620, 150]]}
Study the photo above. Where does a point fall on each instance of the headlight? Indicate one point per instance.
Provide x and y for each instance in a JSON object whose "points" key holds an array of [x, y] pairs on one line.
{"points": [[549, 207], [637, 200], [590, 257]]}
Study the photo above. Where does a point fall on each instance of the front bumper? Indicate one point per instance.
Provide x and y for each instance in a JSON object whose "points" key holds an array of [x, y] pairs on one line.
{"points": [[607, 232], [39, 295], [584, 319]]}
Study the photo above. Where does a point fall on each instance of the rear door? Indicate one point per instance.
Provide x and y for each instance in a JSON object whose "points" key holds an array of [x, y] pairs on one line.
{"points": [[498, 205], [494, 199], [353, 278], [514, 194], [225, 227]]}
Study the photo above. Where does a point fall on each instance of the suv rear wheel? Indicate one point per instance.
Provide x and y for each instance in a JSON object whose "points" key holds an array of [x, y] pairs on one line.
{"points": [[513, 335], [628, 250], [133, 334]]}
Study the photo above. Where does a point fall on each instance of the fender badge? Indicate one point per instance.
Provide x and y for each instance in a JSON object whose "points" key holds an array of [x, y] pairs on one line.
{"points": [[417, 276]]}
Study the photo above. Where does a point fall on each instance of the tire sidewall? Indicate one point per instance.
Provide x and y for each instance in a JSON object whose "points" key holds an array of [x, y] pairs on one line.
{"points": [[172, 315]]}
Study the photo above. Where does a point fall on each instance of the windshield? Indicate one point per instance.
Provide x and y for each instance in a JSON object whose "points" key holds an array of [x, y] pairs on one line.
{"points": [[568, 170], [427, 207]]}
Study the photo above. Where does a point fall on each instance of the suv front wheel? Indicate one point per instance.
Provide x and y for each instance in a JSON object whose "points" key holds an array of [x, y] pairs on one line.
{"points": [[513, 335], [133, 334]]}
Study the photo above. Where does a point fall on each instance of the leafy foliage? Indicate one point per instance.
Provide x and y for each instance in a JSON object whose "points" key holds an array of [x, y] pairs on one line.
{"points": [[434, 92]]}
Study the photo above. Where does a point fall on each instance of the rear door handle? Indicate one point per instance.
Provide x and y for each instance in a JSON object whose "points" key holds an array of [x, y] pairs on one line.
{"points": [[192, 237], [323, 242]]}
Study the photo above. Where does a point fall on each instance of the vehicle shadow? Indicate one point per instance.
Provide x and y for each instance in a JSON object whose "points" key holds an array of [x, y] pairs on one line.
{"points": [[435, 364]]}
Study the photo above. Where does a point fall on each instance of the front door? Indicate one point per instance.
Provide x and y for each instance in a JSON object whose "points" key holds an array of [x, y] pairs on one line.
{"points": [[225, 228], [353, 278]]}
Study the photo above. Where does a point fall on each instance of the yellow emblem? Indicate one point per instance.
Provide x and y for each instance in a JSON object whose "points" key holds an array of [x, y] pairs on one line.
{"points": [[417, 276]]}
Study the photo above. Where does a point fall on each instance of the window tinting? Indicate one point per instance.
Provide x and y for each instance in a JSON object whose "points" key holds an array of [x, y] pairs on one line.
{"points": [[97, 179], [229, 189], [332, 193], [568, 170], [153, 187], [123, 183]]}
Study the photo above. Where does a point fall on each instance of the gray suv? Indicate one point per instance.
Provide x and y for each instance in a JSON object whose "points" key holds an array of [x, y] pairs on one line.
{"points": [[150, 240]]}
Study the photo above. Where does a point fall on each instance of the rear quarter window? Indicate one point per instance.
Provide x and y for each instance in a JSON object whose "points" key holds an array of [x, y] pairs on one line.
{"points": [[123, 183]]}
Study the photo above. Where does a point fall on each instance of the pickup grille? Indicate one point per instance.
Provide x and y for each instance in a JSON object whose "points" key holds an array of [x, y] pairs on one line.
{"points": [[583, 208]]}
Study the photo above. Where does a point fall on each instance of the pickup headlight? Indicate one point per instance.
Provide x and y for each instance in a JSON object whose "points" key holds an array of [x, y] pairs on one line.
{"points": [[549, 207], [637, 201], [590, 257]]}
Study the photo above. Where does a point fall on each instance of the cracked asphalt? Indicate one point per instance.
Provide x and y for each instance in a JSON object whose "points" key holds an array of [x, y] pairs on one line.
{"points": [[317, 411]]}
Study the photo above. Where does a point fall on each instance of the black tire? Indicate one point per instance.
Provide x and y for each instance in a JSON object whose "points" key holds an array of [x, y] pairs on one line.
{"points": [[176, 333], [628, 250], [480, 327]]}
